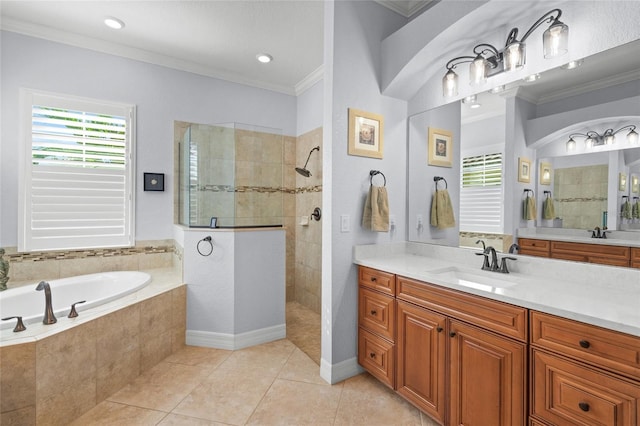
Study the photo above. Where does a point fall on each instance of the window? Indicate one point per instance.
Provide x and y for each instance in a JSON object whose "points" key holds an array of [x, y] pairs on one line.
{"points": [[76, 182], [481, 193]]}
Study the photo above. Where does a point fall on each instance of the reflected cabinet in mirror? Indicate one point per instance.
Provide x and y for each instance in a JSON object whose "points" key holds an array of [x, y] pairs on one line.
{"points": [[581, 177]]}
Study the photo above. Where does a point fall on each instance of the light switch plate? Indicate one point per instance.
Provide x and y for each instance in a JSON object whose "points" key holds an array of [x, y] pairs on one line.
{"points": [[344, 223]]}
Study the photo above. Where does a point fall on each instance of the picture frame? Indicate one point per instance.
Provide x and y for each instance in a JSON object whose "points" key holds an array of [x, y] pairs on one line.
{"points": [[154, 181], [440, 148], [622, 182], [524, 170], [545, 173], [366, 134], [635, 184]]}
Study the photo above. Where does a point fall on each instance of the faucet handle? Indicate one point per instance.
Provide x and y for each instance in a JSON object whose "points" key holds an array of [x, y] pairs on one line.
{"points": [[485, 264], [503, 264], [19, 325], [73, 312]]}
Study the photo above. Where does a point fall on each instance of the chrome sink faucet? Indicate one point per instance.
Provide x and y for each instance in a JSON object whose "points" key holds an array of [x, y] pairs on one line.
{"points": [[49, 317], [493, 266]]}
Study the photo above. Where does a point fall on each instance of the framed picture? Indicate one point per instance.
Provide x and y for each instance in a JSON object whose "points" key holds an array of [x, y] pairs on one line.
{"points": [[365, 134], [545, 173], [154, 181], [524, 170], [635, 184], [622, 182], [440, 147]]}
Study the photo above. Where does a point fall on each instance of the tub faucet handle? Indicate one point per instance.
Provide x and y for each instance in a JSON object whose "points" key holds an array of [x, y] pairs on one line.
{"points": [[19, 326], [73, 313]]}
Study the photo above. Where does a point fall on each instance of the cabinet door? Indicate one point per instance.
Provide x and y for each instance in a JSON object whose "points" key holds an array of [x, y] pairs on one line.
{"points": [[488, 378], [421, 358]]}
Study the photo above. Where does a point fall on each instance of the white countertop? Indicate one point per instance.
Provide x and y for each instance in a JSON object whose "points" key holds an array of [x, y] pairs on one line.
{"points": [[594, 294], [614, 238]]}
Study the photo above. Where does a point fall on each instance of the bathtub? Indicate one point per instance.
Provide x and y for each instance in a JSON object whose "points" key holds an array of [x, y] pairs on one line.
{"points": [[96, 289]]}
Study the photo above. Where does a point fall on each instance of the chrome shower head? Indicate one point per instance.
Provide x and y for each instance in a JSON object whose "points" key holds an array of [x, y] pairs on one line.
{"points": [[303, 170]]}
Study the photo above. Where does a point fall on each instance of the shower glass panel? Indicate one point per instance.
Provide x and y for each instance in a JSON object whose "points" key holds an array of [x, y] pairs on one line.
{"points": [[231, 172]]}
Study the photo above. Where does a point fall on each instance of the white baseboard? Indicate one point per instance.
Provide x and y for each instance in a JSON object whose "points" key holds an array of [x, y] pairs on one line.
{"points": [[235, 341], [335, 373]]}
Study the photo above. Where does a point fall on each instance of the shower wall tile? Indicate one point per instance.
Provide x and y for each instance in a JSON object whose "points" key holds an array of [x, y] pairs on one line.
{"points": [[289, 143]]}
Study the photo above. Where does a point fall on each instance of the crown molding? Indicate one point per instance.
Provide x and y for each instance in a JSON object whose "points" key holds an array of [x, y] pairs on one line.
{"points": [[406, 8], [591, 86], [311, 79]]}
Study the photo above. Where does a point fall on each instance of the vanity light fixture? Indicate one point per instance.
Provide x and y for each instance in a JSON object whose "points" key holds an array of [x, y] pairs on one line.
{"points": [[265, 58], [113, 23], [489, 61], [593, 139]]}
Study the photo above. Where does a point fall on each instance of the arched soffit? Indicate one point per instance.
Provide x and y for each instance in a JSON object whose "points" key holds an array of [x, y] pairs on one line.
{"points": [[488, 23], [554, 143]]}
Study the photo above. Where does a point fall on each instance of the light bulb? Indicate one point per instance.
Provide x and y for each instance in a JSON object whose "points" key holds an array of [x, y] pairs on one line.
{"points": [[589, 142], [571, 145], [450, 84], [514, 56], [609, 139], [478, 71], [555, 40], [632, 137]]}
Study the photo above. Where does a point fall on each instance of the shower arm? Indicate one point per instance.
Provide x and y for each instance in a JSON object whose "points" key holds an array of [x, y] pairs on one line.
{"points": [[317, 148]]}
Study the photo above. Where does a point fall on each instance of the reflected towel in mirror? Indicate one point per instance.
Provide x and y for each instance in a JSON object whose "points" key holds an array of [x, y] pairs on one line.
{"points": [[626, 210], [635, 210], [548, 210], [442, 210], [376, 209]]}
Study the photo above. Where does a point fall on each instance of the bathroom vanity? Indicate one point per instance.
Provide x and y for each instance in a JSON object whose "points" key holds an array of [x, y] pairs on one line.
{"points": [[525, 350]]}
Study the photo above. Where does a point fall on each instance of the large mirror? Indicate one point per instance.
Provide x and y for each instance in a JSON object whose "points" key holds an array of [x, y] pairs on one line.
{"points": [[525, 129]]}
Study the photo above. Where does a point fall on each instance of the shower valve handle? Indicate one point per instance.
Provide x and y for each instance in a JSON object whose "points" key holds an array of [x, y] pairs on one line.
{"points": [[73, 312], [19, 325]]}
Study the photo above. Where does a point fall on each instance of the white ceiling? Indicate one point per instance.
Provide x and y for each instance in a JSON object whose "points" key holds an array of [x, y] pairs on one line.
{"points": [[210, 37]]}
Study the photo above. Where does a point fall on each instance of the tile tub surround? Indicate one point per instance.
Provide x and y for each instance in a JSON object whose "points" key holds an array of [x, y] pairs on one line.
{"points": [[53, 374], [599, 295]]}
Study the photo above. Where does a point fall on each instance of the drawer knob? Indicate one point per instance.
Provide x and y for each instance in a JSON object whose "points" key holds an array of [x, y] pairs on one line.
{"points": [[372, 355], [374, 312], [585, 344], [583, 406], [439, 329], [374, 279], [452, 334]]}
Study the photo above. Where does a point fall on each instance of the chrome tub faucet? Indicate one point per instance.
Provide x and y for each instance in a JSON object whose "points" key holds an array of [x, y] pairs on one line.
{"points": [[49, 317]]}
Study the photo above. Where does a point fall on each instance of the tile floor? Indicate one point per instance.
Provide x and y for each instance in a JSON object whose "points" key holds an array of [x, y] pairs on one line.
{"points": [[271, 384]]}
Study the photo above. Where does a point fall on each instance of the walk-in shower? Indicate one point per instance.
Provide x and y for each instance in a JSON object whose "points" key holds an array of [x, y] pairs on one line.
{"points": [[230, 175], [303, 170]]}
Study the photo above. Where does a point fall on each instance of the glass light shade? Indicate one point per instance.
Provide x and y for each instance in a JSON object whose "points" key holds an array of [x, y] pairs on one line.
{"points": [[478, 71], [609, 139], [632, 137], [571, 145], [514, 56], [589, 142], [450, 84], [555, 40]]}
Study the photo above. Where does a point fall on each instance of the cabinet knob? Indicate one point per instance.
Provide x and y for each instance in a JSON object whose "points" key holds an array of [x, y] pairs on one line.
{"points": [[439, 329], [452, 334], [585, 344], [372, 355], [374, 279], [583, 406], [373, 312]]}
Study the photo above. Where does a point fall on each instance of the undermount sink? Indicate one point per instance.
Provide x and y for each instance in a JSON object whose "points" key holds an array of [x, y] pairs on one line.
{"points": [[481, 280]]}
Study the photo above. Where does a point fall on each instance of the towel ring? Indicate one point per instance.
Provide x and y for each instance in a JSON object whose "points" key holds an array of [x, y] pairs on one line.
{"points": [[372, 173], [548, 193], [208, 240], [531, 191], [437, 179]]}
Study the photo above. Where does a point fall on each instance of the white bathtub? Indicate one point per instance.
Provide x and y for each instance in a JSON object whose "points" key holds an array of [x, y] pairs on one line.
{"points": [[96, 289]]}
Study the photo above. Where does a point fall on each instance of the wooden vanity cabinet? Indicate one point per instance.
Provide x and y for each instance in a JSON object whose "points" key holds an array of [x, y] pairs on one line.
{"points": [[461, 358], [591, 253], [635, 257], [533, 247], [376, 324], [583, 374]]}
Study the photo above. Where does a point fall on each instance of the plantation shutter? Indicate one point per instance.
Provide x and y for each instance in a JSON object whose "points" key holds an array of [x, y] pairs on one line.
{"points": [[481, 194], [77, 188]]}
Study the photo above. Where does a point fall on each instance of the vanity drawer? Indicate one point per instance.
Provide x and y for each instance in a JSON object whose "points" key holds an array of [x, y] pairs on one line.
{"points": [[499, 317], [635, 257], [593, 253], [534, 247], [377, 280], [605, 348], [376, 313], [567, 393], [377, 356]]}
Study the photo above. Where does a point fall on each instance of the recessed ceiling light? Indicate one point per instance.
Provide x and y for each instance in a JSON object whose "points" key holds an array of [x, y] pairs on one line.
{"points": [[573, 64], [532, 77], [265, 58], [497, 89], [475, 105], [114, 23], [470, 99]]}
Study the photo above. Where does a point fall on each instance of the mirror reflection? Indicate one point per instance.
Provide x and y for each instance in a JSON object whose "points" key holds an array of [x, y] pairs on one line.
{"points": [[532, 122]]}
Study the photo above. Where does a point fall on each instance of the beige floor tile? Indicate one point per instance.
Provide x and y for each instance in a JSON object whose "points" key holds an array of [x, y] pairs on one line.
{"points": [[162, 387], [365, 401], [177, 420], [297, 403], [303, 329], [111, 413], [301, 368], [268, 358], [228, 395], [199, 356], [428, 421]]}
